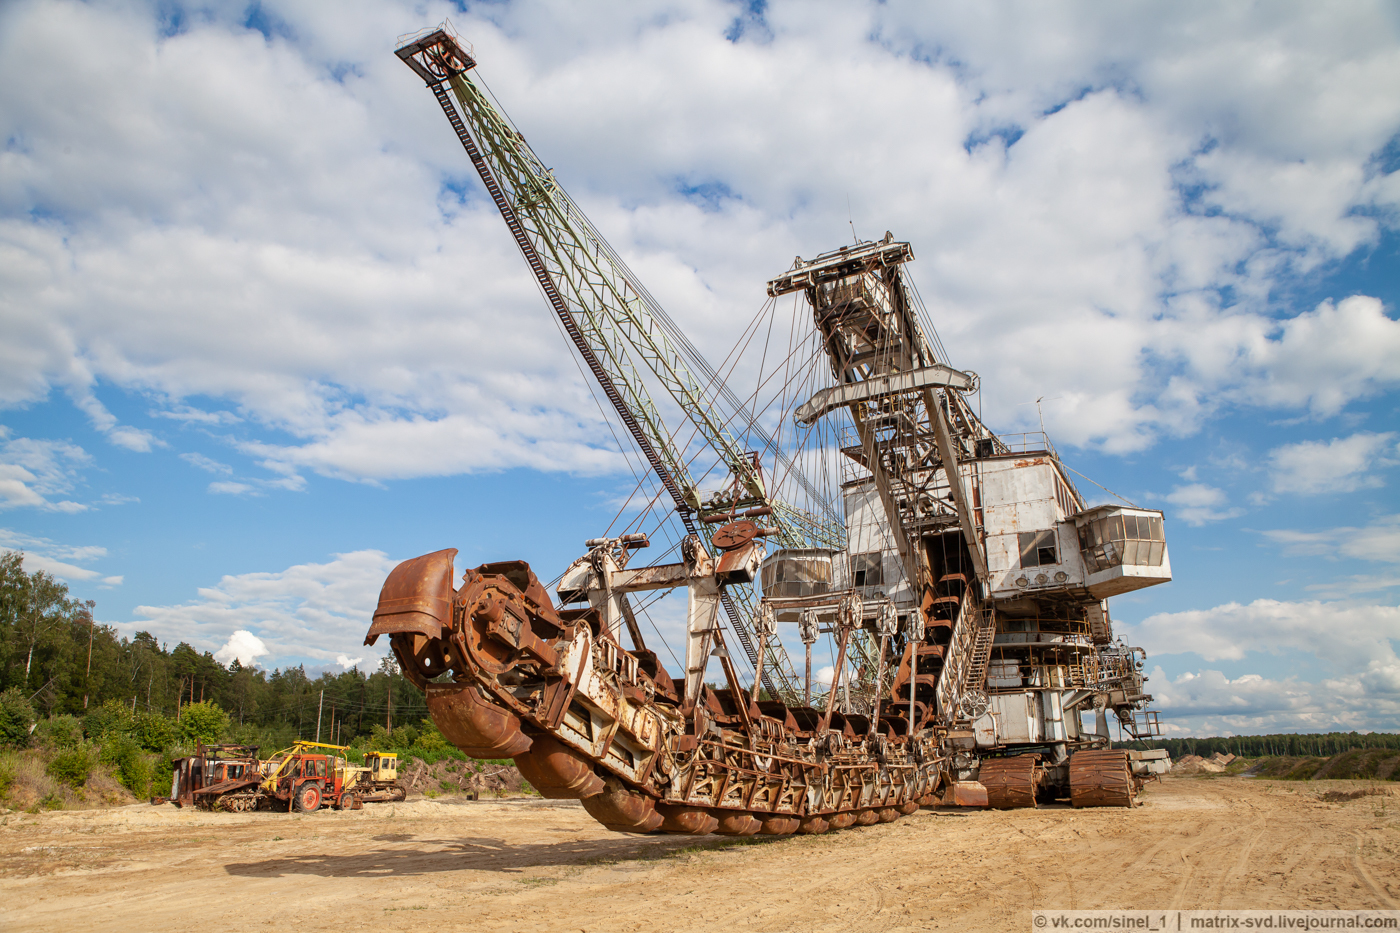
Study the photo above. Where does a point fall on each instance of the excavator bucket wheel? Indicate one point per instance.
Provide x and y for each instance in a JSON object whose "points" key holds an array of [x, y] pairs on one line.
{"points": [[1101, 778], [308, 798], [1011, 782]]}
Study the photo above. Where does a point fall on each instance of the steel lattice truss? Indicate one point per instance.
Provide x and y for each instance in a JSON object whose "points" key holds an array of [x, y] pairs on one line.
{"points": [[618, 328]]}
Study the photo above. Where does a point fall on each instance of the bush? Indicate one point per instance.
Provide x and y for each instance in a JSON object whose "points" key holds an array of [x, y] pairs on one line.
{"points": [[71, 767], [7, 778], [432, 742], [203, 722], [58, 732], [403, 737], [129, 763], [154, 732], [434, 755], [111, 718], [16, 716]]}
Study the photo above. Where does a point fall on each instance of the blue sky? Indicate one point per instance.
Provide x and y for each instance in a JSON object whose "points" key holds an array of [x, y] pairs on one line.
{"points": [[264, 335]]}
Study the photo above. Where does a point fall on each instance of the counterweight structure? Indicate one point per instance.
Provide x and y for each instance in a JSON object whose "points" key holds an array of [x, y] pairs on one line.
{"points": [[926, 580]]}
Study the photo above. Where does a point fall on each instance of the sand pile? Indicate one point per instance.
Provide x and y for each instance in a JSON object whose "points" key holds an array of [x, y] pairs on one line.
{"points": [[1195, 764]]}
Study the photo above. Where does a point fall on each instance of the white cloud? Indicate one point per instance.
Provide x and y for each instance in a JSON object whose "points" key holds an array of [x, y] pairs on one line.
{"points": [[113, 581], [346, 662], [263, 224], [243, 645], [207, 464], [1197, 504], [106, 423], [308, 613], [1325, 358], [228, 488], [34, 473], [1378, 541], [59, 560], [1345, 636], [1343, 464], [190, 414], [1207, 702]]}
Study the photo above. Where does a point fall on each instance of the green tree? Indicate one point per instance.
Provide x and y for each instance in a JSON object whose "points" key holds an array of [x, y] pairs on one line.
{"points": [[33, 605], [154, 732], [203, 722], [16, 716]]}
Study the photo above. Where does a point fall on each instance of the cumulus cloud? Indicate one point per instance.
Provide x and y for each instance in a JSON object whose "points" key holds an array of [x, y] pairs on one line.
{"points": [[1324, 358], [1343, 464], [1347, 637], [242, 645], [1207, 702], [308, 613], [285, 228], [35, 473]]}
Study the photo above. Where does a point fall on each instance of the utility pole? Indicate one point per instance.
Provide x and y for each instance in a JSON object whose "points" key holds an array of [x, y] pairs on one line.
{"points": [[87, 685], [319, 703]]}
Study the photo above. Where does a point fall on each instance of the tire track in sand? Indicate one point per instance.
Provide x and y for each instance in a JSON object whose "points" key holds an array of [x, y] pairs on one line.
{"points": [[1358, 868]]}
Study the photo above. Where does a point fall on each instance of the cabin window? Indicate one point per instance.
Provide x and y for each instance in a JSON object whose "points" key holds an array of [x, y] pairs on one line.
{"points": [[1037, 548], [868, 569], [1122, 538]]}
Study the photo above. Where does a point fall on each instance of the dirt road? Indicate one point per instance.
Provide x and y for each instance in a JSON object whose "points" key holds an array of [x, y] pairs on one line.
{"points": [[544, 865]]}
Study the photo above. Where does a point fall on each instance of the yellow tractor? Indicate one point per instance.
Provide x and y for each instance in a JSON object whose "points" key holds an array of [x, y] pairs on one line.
{"points": [[377, 781]]}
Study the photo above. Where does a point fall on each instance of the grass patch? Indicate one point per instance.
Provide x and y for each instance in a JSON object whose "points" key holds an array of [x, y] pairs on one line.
{"points": [[1360, 764]]}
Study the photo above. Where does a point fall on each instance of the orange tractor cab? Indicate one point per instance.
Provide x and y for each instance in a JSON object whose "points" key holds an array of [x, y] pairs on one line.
{"points": [[305, 780]]}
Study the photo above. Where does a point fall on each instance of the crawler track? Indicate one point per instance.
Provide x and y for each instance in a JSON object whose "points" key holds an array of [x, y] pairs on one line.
{"points": [[1011, 782], [1101, 778]]}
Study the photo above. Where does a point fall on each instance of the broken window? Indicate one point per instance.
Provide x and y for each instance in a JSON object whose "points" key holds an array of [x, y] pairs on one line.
{"points": [[1123, 538], [867, 569], [1037, 548]]}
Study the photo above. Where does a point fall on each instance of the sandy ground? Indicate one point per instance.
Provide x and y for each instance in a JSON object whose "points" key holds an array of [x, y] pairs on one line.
{"points": [[528, 864]]}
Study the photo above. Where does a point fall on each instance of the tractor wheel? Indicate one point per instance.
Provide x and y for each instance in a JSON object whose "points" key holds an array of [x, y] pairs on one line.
{"points": [[308, 798]]}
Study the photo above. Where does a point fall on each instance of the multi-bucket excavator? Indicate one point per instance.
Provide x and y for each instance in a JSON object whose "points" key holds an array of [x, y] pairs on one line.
{"points": [[957, 578]]}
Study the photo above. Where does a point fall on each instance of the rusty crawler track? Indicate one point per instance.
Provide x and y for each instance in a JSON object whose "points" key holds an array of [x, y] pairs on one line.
{"points": [[1011, 782], [1102, 778]]}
